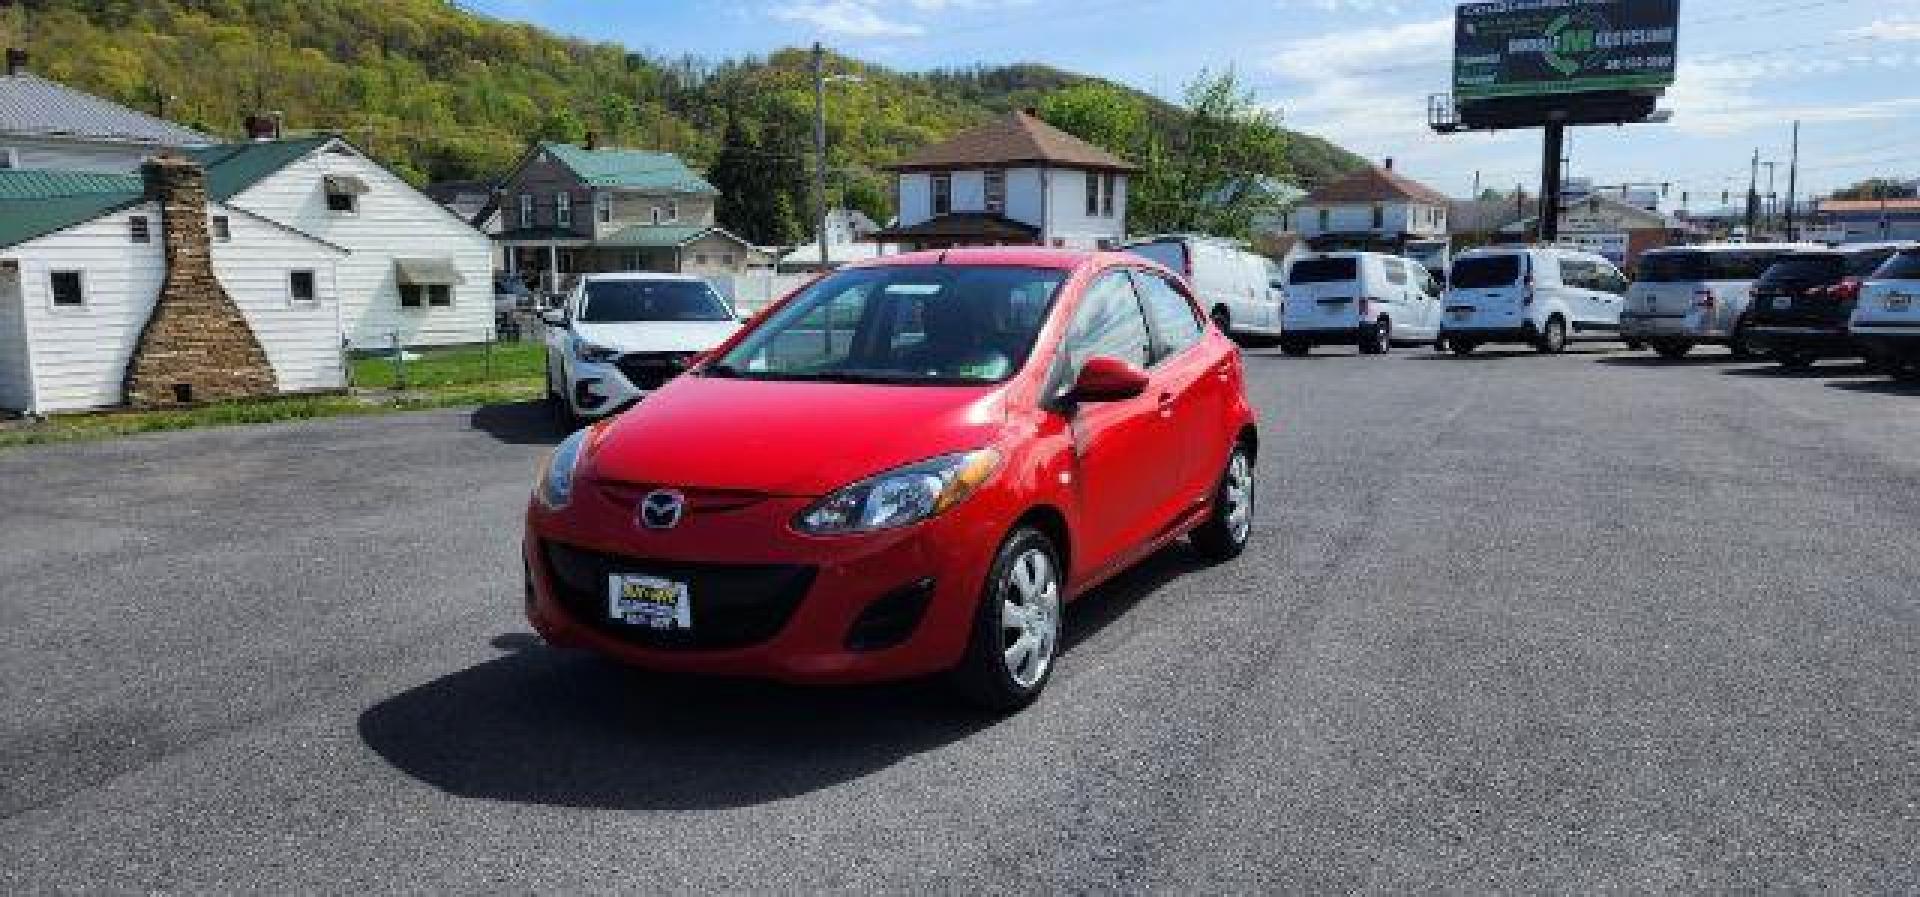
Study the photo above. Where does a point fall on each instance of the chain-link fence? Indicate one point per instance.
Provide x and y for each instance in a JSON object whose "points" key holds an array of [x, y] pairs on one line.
{"points": [[511, 348]]}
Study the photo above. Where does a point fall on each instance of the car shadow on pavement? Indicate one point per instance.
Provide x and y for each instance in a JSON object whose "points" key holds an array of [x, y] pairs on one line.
{"points": [[564, 728], [1887, 386], [519, 423], [1816, 372], [1655, 361]]}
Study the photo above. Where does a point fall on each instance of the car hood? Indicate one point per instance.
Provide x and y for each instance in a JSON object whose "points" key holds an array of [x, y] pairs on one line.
{"points": [[788, 438], [656, 336]]}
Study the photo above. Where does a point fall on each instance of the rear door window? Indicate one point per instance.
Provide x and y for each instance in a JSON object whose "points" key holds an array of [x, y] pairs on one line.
{"points": [[1485, 272], [1175, 323], [1332, 270], [1903, 266]]}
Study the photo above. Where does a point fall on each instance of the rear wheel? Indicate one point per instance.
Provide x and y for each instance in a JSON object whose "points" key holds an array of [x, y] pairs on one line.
{"points": [[1230, 523], [1740, 344], [1553, 338], [1634, 345], [1377, 339], [1794, 359], [1017, 629], [1673, 350], [1461, 347], [1296, 348]]}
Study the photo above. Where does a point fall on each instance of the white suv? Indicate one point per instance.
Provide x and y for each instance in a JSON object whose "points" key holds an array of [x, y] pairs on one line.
{"points": [[1365, 299], [618, 337], [1543, 296], [1886, 320]]}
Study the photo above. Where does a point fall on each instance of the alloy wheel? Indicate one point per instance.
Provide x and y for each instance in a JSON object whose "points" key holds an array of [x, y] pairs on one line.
{"points": [[1239, 495], [1030, 617]]}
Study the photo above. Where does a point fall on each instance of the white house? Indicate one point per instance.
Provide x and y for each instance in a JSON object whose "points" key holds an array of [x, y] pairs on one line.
{"points": [[45, 125], [85, 261], [1015, 181], [1374, 208], [417, 273], [848, 231]]}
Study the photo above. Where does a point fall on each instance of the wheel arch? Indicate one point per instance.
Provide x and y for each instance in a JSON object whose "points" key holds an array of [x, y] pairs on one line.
{"points": [[1053, 524]]}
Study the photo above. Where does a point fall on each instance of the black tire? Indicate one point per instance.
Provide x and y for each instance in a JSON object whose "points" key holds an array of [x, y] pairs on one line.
{"points": [[1258, 342], [1634, 345], [1225, 534], [1741, 346], [1553, 338], [983, 677], [1908, 372], [1793, 359], [1296, 348], [1672, 350], [1377, 339], [1461, 347]]}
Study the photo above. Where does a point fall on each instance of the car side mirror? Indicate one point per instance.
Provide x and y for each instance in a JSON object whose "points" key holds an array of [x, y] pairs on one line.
{"points": [[1107, 379], [555, 317]]}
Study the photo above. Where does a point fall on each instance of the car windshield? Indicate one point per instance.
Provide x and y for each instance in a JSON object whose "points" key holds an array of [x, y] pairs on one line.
{"points": [[621, 301], [1823, 267], [1687, 267], [1486, 271], [1333, 270], [1903, 266], [913, 325]]}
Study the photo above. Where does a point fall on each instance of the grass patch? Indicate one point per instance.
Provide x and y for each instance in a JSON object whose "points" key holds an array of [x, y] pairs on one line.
{"points": [[84, 427], [455, 366]]}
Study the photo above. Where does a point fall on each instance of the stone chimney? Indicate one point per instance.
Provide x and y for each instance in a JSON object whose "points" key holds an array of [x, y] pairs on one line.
{"points": [[16, 61], [197, 346]]}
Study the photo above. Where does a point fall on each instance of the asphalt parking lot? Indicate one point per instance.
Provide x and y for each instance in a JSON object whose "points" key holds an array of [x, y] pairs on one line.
{"points": [[1511, 623]]}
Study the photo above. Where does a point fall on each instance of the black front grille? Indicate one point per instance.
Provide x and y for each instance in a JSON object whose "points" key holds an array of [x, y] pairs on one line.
{"points": [[733, 606], [652, 370]]}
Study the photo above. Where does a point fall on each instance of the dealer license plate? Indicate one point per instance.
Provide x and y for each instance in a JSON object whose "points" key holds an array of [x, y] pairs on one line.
{"points": [[1783, 302], [649, 601], [1899, 302]]}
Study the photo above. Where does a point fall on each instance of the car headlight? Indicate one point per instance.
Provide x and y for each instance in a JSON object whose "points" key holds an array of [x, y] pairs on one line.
{"points": [[594, 354], [555, 488], [900, 497]]}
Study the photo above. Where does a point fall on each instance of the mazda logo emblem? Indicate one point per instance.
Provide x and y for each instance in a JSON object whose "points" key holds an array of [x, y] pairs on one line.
{"points": [[662, 509]]}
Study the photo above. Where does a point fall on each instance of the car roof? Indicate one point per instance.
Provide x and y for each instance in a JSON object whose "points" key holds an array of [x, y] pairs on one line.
{"points": [[1738, 247], [990, 256], [641, 276]]}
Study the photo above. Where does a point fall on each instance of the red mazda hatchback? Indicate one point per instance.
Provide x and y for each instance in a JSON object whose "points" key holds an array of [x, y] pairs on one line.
{"points": [[903, 469]]}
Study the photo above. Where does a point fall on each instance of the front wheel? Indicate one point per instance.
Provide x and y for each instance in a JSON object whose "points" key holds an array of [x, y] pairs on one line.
{"points": [[1741, 346], [1553, 339], [1296, 348], [1461, 347], [1672, 350], [1230, 522], [1794, 360], [1016, 632], [1377, 339]]}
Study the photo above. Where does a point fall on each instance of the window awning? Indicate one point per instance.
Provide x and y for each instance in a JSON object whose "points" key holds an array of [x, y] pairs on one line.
{"points": [[348, 184], [427, 271]]}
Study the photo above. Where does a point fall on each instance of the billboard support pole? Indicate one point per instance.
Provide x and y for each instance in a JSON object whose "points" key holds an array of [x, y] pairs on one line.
{"points": [[1549, 220]]}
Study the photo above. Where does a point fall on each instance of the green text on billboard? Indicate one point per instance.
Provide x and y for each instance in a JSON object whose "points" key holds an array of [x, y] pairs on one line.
{"points": [[1523, 48]]}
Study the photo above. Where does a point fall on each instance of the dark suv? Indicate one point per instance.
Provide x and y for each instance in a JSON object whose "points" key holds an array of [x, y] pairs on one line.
{"points": [[1802, 303]]}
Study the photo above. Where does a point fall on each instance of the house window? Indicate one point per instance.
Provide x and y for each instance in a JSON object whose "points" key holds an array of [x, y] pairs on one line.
{"points": [[222, 229], [673, 211], [9, 157], [526, 210], [1326, 220], [659, 214], [300, 287], [563, 209], [727, 259], [142, 232], [636, 261], [1379, 216], [1093, 194], [410, 295], [342, 202], [699, 258], [942, 194], [603, 207], [69, 289], [1109, 185], [439, 294], [996, 189]]}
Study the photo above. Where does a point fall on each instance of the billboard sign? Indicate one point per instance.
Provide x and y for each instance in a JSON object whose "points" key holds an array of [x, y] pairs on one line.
{"points": [[1549, 48]]}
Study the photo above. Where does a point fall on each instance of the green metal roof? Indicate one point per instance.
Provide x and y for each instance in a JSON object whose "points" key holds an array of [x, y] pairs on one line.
{"points": [[654, 236], [36, 203], [634, 169], [233, 167]]}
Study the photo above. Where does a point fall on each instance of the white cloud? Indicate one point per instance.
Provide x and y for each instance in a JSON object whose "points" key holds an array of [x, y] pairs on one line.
{"points": [[1888, 29], [1367, 86], [846, 18]]}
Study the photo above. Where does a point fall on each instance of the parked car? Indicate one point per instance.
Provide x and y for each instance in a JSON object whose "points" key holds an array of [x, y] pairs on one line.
{"points": [[1543, 296], [510, 295], [1365, 299], [1688, 296], [1240, 290], [904, 469], [618, 337], [1886, 319], [1802, 304]]}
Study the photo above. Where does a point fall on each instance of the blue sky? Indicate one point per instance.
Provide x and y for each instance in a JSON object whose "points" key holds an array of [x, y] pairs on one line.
{"points": [[1358, 72]]}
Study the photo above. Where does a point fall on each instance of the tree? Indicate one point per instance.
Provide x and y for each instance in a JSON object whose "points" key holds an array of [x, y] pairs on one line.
{"points": [[756, 197], [562, 126], [1099, 113], [1878, 188], [1210, 173]]}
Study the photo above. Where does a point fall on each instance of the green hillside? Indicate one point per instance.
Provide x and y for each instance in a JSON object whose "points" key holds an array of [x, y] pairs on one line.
{"points": [[440, 93]]}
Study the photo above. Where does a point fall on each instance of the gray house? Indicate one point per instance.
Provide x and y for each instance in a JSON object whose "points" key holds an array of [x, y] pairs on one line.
{"points": [[48, 126]]}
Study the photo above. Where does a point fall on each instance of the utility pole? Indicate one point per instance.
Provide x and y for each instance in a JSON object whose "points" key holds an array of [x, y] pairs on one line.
{"points": [[1773, 199], [820, 148], [1793, 183], [1551, 162], [1753, 196]]}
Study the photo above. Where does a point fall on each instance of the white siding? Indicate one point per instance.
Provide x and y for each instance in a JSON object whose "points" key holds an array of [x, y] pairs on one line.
{"points": [[394, 221], [15, 391], [916, 199], [1067, 210], [1396, 218], [105, 157], [80, 355], [969, 191], [1025, 202]]}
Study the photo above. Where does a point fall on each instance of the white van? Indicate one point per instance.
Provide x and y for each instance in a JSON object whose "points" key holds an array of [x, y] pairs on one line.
{"points": [[1366, 299], [1886, 320], [1686, 296], [1543, 296], [1239, 290]]}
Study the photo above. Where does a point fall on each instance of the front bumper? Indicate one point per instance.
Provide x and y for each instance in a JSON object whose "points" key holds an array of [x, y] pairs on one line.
{"points": [[1644, 325], [1328, 336], [1521, 334], [1826, 341], [775, 604]]}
